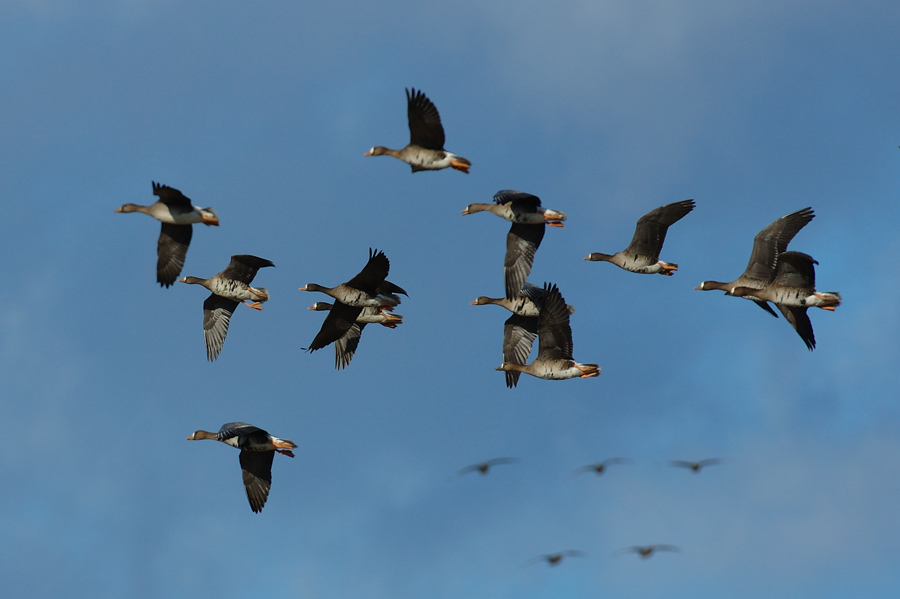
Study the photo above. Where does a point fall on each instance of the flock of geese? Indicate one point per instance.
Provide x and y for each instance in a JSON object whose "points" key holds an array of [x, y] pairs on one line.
{"points": [[773, 275]]}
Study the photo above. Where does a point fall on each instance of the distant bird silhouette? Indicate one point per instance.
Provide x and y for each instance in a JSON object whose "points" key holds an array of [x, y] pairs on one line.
{"points": [[695, 466], [425, 151], [345, 347], [794, 290], [600, 467], [524, 238], [484, 467], [768, 244], [646, 551], [229, 288], [177, 214], [368, 289], [258, 449], [642, 254], [554, 360], [555, 558]]}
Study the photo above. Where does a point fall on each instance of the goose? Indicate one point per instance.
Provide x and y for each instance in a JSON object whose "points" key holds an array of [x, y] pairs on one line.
{"points": [[554, 559], [483, 467], [642, 254], [177, 214], [793, 291], [519, 207], [345, 347], [600, 467], [768, 244], [525, 234], [258, 449], [554, 360], [229, 288], [646, 551], [520, 329], [368, 289], [695, 466], [425, 151]]}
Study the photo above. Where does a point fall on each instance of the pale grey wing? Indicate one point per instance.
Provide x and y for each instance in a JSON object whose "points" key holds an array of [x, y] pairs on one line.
{"points": [[256, 467], [217, 312], [519, 198], [425, 127], [345, 347], [799, 319], [171, 197], [773, 241], [243, 267], [519, 333], [554, 331], [171, 251], [522, 242], [234, 429], [795, 269], [650, 232]]}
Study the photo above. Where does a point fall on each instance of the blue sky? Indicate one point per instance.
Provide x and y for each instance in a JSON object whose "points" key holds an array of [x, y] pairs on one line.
{"points": [[605, 110]]}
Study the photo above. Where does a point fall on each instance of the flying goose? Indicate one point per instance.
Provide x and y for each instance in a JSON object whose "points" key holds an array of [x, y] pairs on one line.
{"points": [[642, 254], [768, 244], [520, 329], [554, 360], [600, 467], [258, 449], [229, 288], [345, 347], [646, 551], [177, 214], [425, 151], [483, 467], [528, 219], [368, 289], [695, 466], [793, 291], [554, 559]]}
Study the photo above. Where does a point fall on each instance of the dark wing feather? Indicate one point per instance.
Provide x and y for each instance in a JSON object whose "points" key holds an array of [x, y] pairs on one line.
{"points": [[345, 347], [650, 232], [217, 312], [795, 269], [522, 242], [554, 331], [340, 319], [256, 467], [772, 241], [373, 273], [171, 250], [519, 333], [387, 288], [425, 127], [518, 198], [799, 319], [243, 267], [170, 196]]}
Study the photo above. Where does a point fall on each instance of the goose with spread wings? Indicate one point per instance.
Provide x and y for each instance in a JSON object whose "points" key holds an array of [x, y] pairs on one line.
{"points": [[425, 151], [176, 213], [768, 244], [258, 449], [642, 254], [229, 288]]}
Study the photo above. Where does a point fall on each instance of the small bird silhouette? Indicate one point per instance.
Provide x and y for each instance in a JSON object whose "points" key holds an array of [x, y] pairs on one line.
{"points": [[600, 467], [555, 558], [483, 467], [694, 466], [646, 551]]}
